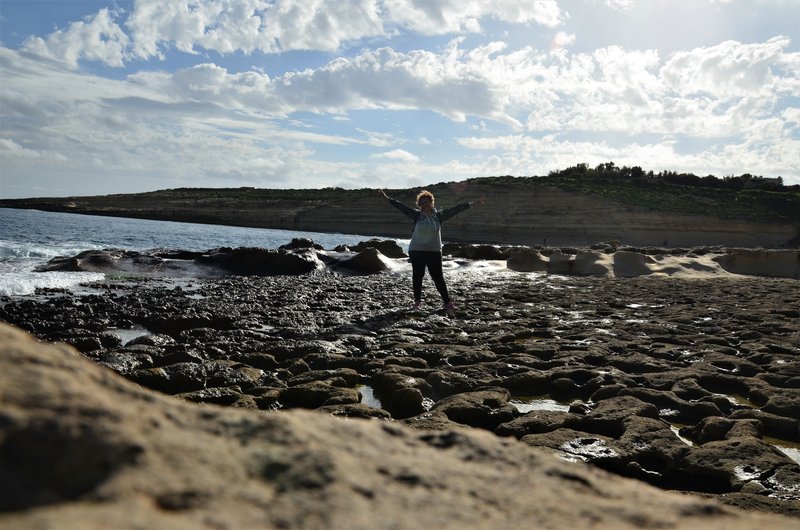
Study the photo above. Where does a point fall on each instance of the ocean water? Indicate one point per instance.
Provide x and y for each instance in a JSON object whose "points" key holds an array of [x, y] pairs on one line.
{"points": [[29, 238]]}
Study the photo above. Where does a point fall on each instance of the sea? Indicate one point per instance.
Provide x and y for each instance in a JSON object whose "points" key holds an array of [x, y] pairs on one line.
{"points": [[30, 238]]}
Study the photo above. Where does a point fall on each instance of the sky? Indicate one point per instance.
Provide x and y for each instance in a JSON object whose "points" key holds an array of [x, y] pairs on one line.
{"points": [[100, 97]]}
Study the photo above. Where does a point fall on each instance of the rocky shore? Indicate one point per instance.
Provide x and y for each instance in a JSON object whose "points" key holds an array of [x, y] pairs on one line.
{"points": [[684, 375]]}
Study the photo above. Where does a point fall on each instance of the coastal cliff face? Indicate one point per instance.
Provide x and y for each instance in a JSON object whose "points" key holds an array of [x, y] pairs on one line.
{"points": [[519, 215]]}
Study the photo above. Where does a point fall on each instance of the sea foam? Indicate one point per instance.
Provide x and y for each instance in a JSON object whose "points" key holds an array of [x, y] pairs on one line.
{"points": [[25, 283]]}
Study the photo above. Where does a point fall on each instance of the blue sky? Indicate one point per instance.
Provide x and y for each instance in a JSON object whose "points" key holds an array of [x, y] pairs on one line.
{"points": [[101, 97]]}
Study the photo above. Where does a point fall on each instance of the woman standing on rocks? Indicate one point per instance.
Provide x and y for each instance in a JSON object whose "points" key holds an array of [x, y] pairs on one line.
{"points": [[425, 249]]}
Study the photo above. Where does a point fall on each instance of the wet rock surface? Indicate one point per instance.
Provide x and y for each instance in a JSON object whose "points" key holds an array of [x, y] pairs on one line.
{"points": [[690, 385]]}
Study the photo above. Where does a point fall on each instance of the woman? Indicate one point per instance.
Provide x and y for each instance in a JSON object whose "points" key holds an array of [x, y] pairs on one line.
{"points": [[425, 249]]}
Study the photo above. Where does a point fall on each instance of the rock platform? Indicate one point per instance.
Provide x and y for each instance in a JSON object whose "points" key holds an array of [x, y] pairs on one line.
{"points": [[686, 384]]}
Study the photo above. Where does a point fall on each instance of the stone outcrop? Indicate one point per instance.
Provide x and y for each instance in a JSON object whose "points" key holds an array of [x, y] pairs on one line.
{"points": [[80, 447], [775, 263], [375, 256], [629, 263]]}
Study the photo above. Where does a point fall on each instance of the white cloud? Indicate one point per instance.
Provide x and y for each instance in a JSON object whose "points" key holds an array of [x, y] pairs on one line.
{"points": [[250, 25], [98, 38], [694, 93], [620, 5], [524, 155], [562, 40], [729, 69], [208, 122], [9, 148], [463, 16], [447, 83], [155, 27], [397, 154], [377, 139]]}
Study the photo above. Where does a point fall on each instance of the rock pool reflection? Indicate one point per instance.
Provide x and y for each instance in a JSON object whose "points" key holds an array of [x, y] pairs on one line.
{"points": [[526, 404]]}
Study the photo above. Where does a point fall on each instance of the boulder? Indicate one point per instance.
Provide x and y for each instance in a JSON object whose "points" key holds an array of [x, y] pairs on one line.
{"points": [[300, 243], [368, 261], [485, 409], [260, 261], [560, 263], [589, 263], [534, 422], [86, 261], [525, 259], [387, 247], [317, 394], [189, 376], [761, 262], [475, 252], [608, 416], [628, 264], [727, 465]]}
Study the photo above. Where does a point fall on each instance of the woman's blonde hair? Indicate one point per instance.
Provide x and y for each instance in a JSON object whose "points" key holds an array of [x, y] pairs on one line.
{"points": [[425, 193]]}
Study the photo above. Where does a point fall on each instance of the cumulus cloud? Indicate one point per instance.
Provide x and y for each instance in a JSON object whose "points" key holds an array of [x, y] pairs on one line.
{"points": [[452, 83], [98, 38], [464, 16], [397, 154], [729, 69], [620, 5], [524, 155], [154, 27], [250, 25], [562, 40], [705, 92]]}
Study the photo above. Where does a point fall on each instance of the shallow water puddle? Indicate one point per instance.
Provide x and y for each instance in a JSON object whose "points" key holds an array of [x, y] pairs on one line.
{"points": [[127, 335], [676, 428], [368, 397], [737, 399], [526, 404], [790, 449]]}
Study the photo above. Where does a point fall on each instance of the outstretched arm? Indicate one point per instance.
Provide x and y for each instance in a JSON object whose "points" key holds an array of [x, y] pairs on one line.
{"points": [[407, 210], [457, 209]]}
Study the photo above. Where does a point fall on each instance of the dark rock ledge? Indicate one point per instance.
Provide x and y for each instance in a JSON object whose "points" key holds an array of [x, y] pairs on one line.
{"points": [[303, 256]]}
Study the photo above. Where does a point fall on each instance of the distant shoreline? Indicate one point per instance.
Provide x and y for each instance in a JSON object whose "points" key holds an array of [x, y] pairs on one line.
{"points": [[518, 211]]}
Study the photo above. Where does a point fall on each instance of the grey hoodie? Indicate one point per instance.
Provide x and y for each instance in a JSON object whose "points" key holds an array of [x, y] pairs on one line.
{"points": [[426, 233]]}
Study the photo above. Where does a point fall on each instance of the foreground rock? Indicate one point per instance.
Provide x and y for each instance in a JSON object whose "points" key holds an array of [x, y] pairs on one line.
{"points": [[80, 447]]}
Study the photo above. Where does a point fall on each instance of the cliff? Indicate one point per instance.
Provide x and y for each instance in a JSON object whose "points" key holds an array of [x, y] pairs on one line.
{"points": [[532, 211]]}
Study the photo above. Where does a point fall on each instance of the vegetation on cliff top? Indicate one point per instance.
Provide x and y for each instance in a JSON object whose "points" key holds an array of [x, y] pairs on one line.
{"points": [[745, 197]]}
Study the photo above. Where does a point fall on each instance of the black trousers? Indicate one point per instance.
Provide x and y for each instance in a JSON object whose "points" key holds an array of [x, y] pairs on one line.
{"points": [[421, 259]]}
